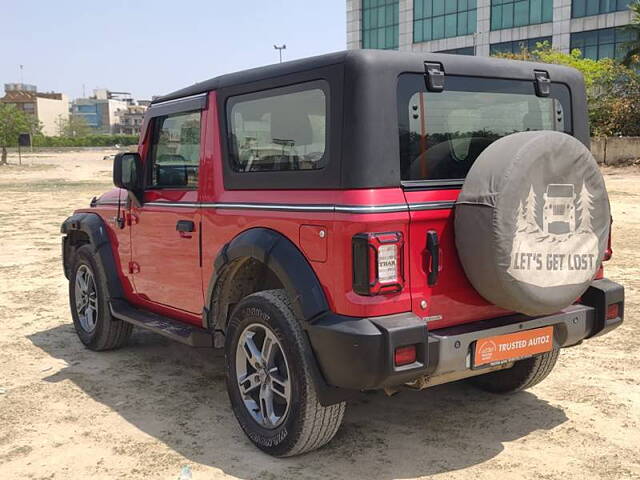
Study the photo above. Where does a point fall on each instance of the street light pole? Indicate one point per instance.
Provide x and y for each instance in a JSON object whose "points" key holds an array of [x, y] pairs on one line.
{"points": [[280, 48]]}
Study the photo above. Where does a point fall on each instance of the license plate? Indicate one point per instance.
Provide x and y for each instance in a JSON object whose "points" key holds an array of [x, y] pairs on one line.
{"points": [[512, 346]]}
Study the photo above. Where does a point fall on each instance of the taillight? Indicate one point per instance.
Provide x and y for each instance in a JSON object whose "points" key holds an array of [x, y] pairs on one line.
{"points": [[377, 263], [608, 253], [404, 355], [613, 311]]}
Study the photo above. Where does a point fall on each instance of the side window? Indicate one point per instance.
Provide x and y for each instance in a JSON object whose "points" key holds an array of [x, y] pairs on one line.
{"points": [[278, 132], [175, 151]]}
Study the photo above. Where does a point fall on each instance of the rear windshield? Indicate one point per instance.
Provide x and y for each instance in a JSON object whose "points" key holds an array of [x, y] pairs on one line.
{"points": [[442, 134]]}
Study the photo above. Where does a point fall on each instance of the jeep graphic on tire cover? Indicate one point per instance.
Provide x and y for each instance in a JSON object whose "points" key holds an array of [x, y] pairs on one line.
{"points": [[532, 222]]}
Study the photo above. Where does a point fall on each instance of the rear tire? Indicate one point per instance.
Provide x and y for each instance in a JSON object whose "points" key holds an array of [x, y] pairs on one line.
{"points": [[269, 379], [89, 302], [524, 374]]}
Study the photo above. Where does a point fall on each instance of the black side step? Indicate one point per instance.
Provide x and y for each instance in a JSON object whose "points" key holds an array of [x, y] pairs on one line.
{"points": [[173, 329]]}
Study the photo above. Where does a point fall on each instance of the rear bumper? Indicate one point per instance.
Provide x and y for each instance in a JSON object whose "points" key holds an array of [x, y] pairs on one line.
{"points": [[357, 353]]}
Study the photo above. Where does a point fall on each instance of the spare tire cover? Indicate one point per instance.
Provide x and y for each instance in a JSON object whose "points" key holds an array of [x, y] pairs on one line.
{"points": [[532, 222]]}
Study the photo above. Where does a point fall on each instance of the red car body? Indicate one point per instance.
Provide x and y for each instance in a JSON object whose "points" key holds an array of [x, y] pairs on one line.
{"points": [[174, 272], [160, 267]]}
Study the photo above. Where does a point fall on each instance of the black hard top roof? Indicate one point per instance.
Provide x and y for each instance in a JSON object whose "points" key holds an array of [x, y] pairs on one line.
{"points": [[375, 61]]}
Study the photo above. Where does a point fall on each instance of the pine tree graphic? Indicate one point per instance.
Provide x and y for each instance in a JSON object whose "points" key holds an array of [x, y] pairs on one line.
{"points": [[585, 205], [521, 224], [530, 212]]}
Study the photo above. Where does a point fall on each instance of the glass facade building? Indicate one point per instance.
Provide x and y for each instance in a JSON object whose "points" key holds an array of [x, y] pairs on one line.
{"points": [[586, 8], [380, 20], [435, 19], [489, 27], [518, 13], [90, 112], [519, 45], [604, 43]]}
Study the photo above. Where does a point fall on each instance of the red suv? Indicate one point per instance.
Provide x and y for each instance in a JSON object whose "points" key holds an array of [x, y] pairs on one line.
{"points": [[356, 221]]}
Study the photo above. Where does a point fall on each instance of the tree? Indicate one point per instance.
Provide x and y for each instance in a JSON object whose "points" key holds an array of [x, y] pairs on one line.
{"points": [[13, 122], [74, 126], [613, 90], [633, 29], [585, 205], [521, 223], [530, 212]]}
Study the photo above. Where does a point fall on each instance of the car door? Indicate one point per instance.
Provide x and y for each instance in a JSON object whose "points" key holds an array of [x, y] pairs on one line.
{"points": [[441, 135], [165, 228]]}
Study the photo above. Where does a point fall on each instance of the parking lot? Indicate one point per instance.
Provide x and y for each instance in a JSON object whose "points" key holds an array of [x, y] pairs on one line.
{"points": [[149, 409]]}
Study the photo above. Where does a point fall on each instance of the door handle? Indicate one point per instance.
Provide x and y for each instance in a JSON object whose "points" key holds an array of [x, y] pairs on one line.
{"points": [[185, 226], [433, 260]]}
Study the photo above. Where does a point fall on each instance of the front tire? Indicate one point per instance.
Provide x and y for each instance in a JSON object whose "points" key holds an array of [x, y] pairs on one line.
{"points": [[89, 302], [524, 374], [269, 382]]}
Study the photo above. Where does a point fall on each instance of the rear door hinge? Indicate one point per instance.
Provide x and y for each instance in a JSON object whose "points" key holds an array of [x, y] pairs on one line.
{"points": [[134, 267], [543, 83], [434, 76]]}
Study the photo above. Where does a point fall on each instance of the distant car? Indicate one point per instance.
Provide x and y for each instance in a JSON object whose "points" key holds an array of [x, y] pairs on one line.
{"points": [[301, 216], [559, 213]]}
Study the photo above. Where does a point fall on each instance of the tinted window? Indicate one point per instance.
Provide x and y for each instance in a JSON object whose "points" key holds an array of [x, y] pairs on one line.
{"points": [[442, 134], [517, 13], [434, 19], [604, 43], [175, 151], [517, 46], [278, 132], [583, 8], [380, 24]]}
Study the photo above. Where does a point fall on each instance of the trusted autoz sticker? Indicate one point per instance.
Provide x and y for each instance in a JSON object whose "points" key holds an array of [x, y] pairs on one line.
{"points": [[554, 243]]}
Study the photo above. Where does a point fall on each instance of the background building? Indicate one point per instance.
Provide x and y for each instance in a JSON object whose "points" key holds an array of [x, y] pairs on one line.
{"points": [[483, 27], [129, 120], [49, 108], [99, 111]]}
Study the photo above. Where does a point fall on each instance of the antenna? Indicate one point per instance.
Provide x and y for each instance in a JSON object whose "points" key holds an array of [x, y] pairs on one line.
{"points": [[280, 48], [21, 74]]}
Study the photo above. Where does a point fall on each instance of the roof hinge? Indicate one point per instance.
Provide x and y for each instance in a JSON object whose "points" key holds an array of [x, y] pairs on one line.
{"points": [[543, 83], [434, 76]]}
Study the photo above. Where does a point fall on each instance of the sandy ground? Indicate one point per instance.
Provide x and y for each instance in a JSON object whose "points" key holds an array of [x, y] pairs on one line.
{"points": [[149, 409]]}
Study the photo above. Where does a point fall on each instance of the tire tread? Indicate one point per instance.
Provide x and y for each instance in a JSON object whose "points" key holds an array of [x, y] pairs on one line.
{"points": [[318, 424], [113, 333]]}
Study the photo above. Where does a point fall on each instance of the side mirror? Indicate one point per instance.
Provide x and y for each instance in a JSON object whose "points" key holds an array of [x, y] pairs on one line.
{"points": [[127, 171]]}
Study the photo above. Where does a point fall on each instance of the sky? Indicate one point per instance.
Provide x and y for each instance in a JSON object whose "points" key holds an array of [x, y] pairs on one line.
{"points": [[154, 47]]}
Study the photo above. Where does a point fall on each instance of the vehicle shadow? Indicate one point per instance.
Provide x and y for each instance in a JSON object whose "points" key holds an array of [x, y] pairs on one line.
{"points": [[177, 395]]}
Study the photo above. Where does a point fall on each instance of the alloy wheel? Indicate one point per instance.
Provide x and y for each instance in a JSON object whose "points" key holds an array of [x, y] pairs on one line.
{"points": [[86, 298], [262, 373]]}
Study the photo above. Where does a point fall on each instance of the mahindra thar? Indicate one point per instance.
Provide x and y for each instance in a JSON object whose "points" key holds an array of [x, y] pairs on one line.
{"points": [[355, 221]]}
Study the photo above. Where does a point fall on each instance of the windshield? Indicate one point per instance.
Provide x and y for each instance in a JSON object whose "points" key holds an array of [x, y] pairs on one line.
{"points": [[442, 134]]}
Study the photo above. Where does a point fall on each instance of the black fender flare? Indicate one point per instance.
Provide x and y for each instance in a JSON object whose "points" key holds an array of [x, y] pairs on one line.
{"points": [[300, 282], [284, 259], [93, 226]]}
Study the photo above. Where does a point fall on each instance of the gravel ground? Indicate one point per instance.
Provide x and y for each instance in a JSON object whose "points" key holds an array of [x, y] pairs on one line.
{"points": [[155, 406]]}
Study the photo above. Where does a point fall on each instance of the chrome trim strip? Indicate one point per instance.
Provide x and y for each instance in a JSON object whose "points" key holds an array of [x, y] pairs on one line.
{"points": [[415, 207], [356, 209], [272, 206], [371, 208], [174, 204]]}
